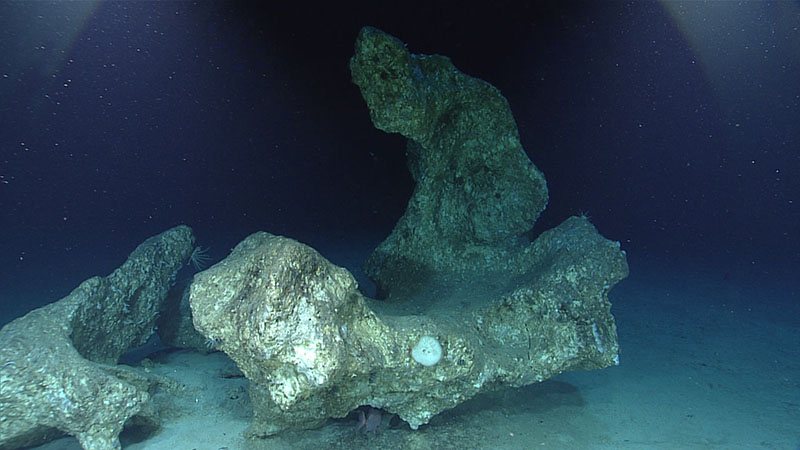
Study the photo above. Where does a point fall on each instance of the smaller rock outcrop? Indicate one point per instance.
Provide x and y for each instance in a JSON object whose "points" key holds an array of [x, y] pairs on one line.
{"points": [[57, 363]]}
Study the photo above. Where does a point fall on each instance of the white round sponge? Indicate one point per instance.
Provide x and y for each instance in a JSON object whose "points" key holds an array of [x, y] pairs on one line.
{"points": [[427, 351]]}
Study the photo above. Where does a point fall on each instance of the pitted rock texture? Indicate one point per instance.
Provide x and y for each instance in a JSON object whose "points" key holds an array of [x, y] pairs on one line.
{"points": [[313, 347], [56, 363], [477, 193]]}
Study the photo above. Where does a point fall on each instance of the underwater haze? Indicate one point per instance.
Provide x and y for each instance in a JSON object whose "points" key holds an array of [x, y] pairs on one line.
{"points": [[674, 127]]}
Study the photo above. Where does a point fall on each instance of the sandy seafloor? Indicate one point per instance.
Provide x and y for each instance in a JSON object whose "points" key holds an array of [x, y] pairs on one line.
{"points": [[708, 360]]}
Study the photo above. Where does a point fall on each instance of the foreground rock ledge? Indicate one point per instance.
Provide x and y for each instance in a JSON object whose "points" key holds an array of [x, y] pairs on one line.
{"points": [[312, 349], [57, 363]]}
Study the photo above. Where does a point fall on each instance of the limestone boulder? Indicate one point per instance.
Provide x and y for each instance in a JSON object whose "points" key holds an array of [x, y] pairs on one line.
{"points": [[477, 193], [314, 348], [58, 370], [460, 276]]}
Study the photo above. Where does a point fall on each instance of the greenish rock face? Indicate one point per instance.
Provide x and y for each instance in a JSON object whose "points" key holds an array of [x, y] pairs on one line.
{"points": [[313, 347], [57, 363], [477, 306], [477, 192]]}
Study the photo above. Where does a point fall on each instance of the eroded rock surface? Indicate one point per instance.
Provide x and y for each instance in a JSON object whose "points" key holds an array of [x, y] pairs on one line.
{"points": [[457, 268], [312, 348], [57, 372], [175, 325], [477, 193]]}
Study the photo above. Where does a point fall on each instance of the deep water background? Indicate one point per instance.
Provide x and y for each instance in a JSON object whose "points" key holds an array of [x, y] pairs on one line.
{"points": [[677, 133]]}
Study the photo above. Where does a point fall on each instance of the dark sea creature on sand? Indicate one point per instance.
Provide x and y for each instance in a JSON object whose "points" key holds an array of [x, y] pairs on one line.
{"points": [[369, 421]]}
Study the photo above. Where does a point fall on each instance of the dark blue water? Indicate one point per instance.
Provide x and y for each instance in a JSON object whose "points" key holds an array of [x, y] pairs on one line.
{"points": [[122, 120], [676, 128]]}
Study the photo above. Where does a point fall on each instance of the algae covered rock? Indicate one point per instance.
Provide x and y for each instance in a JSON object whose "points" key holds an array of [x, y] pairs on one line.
{"points": [[474, 305], [477, 193], [56, 363], [123, 308], [313, 347], [292, 322]]}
